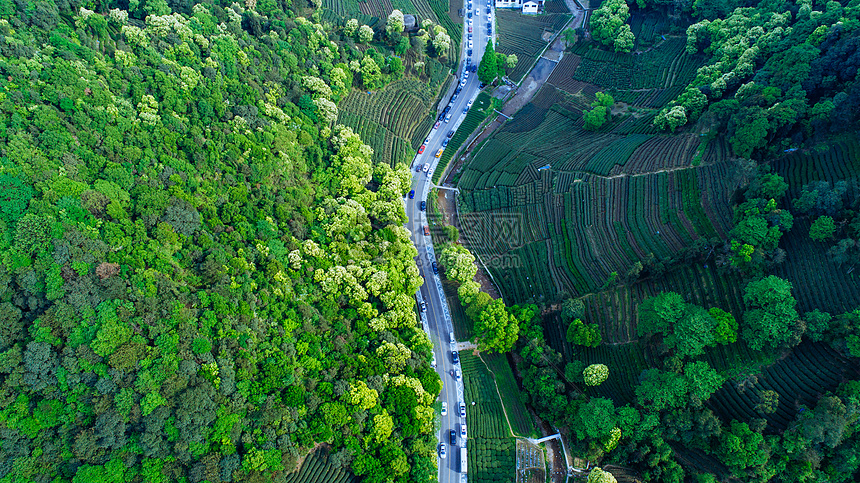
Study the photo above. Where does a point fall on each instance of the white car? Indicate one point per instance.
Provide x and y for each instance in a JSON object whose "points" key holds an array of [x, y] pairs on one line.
{"points": [[426, 167], [477, 12], [444, 406], [466, 75], [463, 82], [442, 450], [463, 431], [470, 44], [470, 103], [462, 410]]}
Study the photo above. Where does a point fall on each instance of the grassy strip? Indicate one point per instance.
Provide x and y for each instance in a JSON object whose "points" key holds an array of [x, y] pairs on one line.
{"points": [[481, 108]]}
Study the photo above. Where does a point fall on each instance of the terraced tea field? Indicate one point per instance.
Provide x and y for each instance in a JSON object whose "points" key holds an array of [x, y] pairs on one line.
{"points": [[389, 119], [491, 447], [521, 35], [317, 469]]}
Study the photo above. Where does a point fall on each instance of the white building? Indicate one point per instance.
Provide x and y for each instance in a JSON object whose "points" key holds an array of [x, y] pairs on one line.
{"points": [[528, 6]]}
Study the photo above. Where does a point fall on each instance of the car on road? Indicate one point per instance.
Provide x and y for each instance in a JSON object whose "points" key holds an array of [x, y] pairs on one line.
{"points": [[426, 233], [474, 68], [445, 143], [421, 149], [439, 152], [455, 356], [411, 194], [462, 410], [422, 206], [442, 453], [448, 117], [418, 168], [452, 437], [463, 431], [444, 406], [435, 268], [438, 123], [426, 167]]}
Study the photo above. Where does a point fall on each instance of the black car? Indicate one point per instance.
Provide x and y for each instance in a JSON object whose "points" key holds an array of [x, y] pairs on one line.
{"points": [[488, 10], [423, 205], [450, 134], [441, 116], [456, 357], [470, 51], [453, 437], [470, 14], [474, 68], [435, 268]]}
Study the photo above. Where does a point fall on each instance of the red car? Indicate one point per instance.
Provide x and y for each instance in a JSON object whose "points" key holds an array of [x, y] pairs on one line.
{"points": [[436, 126], [470, 29], [421, 149]]}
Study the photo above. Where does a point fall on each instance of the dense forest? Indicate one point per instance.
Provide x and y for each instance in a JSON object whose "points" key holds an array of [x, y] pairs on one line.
{"points": [[203, 276]]}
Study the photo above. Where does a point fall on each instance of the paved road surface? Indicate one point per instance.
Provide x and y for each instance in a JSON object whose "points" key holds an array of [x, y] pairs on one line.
{"points": [[437, 318]]}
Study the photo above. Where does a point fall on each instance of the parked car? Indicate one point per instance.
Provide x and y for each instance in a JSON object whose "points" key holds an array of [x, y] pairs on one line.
{"points": [[470, 53], [463, 431], [462, 410], [455, 356], [418, 168], [426, 233], [421, 149], [442, 453], [488, 10], [444, 408], [411, 194], [470, 14], [470, 28], [423, 206], [452, 437], [439, 152], [438, 123], [477, 12], [445, 143], [469, 105], [457, 374], [475, 69], [463, 82], [470, 44], [423, 306], [435, 268], [426, 167], [447, 118], [450, 134]]}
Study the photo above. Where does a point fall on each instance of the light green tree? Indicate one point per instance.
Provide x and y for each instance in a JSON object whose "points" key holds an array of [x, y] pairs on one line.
{"points": [[365, 34], [351, 27], [495, 328], [822, 228], [597, 475], [595, 374], [394, 25]]}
